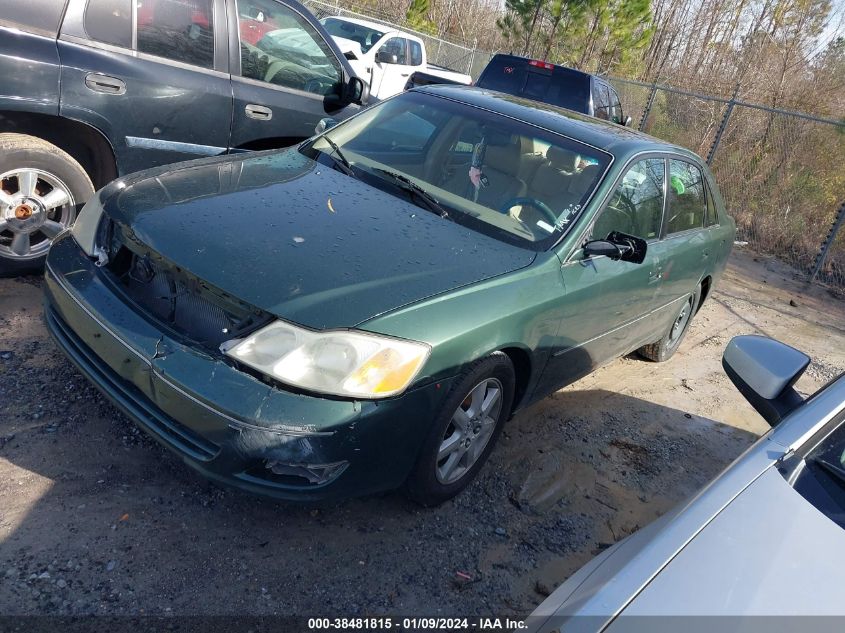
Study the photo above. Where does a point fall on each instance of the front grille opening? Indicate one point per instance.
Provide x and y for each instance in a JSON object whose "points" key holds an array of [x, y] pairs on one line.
{"points": [[178, 301], [299, 475]]}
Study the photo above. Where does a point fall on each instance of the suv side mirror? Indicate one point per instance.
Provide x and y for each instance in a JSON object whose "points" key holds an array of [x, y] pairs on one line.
{"points": [[764, 370], [356, 90], [383, 57], [324, 124]]}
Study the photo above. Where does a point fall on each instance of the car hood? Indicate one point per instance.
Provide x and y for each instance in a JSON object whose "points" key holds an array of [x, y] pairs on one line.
{"points": [[301, 240]]}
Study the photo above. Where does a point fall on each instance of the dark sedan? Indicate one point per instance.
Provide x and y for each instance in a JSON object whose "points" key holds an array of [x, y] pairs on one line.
{"points": [[366, 310]]}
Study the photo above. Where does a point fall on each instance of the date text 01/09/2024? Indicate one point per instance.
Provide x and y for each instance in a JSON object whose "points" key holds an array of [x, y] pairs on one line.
{"points": [[375, 623]]}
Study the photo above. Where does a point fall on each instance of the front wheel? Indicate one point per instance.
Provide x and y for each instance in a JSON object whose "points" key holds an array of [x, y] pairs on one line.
{"points": [[464, 432], [663, 349], [40, 189]]}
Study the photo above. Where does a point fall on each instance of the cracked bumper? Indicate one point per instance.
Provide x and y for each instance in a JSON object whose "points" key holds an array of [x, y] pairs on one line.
{"points": [[225, 423]]}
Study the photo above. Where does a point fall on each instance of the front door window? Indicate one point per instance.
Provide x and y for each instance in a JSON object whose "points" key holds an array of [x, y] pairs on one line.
{"points": [[278, 46]]}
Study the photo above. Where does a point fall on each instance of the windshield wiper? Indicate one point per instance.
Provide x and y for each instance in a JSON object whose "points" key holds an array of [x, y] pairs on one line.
{"points": [[406, 184], [338, 157]]}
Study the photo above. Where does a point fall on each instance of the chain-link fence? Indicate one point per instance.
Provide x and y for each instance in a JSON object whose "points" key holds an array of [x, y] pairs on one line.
{"points": [[780, 172]]}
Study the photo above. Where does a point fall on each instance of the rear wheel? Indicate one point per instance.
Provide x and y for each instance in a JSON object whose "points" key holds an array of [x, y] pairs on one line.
{"points": [[41, 188], [663, 349], [464, 431]]}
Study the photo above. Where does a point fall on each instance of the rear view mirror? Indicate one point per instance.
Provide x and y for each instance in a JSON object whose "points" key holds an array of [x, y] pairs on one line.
{"points": [[764, 370], [383, 57], [628, 121]]}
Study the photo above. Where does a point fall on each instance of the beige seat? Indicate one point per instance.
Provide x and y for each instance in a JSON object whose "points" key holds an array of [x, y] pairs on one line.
{"points": [[501, 167], [555, 183]]}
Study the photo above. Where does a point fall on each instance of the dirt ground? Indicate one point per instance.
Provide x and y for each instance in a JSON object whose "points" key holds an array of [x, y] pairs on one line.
{"points": [[97, 519]]}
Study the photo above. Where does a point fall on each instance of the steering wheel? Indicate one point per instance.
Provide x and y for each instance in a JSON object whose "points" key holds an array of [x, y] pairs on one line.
{"points": [[627, 210], [541, 206]]}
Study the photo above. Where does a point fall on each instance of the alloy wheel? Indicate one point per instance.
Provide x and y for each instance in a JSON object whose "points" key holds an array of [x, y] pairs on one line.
{"points": [[35, 206], [680, 323], [469, 431]]}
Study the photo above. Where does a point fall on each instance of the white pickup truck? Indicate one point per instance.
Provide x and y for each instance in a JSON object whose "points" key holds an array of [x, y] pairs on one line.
{"points": [[383, 56]]}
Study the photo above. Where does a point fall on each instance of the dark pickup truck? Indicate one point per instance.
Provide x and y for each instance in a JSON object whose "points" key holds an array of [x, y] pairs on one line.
{"points": [[95, 89], [541, 81]]}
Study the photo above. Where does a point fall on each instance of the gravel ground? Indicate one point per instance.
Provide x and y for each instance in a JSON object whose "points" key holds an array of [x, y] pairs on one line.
{"points": [[95, 518]]}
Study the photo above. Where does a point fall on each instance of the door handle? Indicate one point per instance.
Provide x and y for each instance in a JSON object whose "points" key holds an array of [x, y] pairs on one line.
{"points": [[105, 84], [405, 74], [258, 112], [655, 275]]}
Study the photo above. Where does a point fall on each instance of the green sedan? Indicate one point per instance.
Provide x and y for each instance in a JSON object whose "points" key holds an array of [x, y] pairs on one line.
{"points": [[365, 311]]}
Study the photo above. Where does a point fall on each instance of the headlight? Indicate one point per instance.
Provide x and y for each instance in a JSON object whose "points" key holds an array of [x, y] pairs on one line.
{"points": [[84, 229], [341, 363]]}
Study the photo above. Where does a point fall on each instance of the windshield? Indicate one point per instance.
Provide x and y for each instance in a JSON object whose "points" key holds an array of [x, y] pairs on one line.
{"points": [[366, 36], [502, 177]]}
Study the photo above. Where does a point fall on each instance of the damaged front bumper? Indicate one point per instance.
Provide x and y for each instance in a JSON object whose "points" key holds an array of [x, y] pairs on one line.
{"points": [[225, 423]]}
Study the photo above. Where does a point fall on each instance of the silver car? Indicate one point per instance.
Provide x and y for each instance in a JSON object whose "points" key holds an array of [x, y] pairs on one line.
{"points": [[765, 538]]}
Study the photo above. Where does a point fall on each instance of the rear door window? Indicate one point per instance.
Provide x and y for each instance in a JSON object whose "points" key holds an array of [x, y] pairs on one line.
{"points": [[687, 203], [600, 101], [615, 108], [416, 53], [109, 21], [180, 30]]}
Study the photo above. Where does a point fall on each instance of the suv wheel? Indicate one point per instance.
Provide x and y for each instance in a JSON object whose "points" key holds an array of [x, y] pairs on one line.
{"points": [[464, 431], [41, 188]]}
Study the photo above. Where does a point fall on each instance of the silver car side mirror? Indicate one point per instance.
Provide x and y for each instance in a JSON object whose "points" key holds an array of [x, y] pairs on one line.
{"points": [[764, 370]]}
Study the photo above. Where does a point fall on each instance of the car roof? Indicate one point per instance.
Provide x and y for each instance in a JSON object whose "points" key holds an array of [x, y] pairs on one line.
{"points": [[611, 137], [369, 24]]}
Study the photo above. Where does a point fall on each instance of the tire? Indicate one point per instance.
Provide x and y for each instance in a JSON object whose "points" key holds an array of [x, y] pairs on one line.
{"points": [[57, 187], [665, 348], [432, 481]]}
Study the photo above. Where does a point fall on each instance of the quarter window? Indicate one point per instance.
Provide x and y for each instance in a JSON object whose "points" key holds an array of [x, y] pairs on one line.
{"points": [[181, 30], [395, 45], [109, 21], [636, 205], [416, 53], [712, 215], [280, 47], [687, 203]]}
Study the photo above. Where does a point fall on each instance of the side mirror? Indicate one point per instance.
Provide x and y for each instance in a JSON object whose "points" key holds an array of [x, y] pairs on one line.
{"points": [[325, 124], [358, 91], [628, 121], [383, 57], [764, 370], [618, 246], [597, 248]]}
